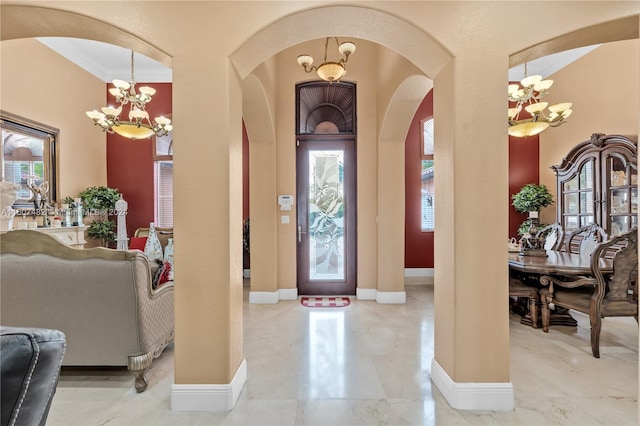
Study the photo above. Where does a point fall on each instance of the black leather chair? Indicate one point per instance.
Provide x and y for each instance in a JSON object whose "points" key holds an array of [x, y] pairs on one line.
{"points": [[30, 361]]}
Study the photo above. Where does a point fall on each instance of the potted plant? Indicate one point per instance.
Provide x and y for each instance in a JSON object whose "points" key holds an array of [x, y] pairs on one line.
{"points": [[531, 198], [100, 203]]}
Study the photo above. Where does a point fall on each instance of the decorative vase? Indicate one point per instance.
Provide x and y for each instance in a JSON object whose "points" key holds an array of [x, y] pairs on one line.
{"points": [[168, 257], [153, 248]]}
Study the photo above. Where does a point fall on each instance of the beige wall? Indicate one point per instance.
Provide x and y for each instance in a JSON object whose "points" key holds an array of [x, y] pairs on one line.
{"points": [[604, 89], [41, 85]]}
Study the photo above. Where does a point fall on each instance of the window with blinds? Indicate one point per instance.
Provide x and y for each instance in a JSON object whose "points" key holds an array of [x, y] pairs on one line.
{"points": [[427, 213], [163, 183]]}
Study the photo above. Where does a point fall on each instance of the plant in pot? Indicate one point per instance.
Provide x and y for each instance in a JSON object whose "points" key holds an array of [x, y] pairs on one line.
{"points": [[100, 202], [530, 199]]}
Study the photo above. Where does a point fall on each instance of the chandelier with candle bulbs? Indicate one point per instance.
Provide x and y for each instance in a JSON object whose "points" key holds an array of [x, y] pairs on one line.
{"points": [[527, 96], [138, 125], [329, 70]]}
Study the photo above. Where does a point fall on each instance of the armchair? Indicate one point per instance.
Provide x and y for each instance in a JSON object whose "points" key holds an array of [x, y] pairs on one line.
{"points": [[599, 295]]}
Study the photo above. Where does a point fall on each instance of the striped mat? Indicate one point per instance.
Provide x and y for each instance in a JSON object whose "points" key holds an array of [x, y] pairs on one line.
{"points": [[325, 302]]}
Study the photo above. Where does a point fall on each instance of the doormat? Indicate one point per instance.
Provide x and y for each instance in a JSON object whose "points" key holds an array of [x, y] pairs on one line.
{"points": [[325, 302]]}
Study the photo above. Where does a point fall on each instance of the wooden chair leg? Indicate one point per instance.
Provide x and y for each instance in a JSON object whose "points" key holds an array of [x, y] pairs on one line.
{"points": [[596, 325]]}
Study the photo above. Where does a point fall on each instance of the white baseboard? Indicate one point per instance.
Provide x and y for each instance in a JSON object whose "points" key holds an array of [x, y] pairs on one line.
{"points": [[418, 276], [287, 293], [396, 297], [210, 398], [263, 297], [366, 293], [473, 396]]}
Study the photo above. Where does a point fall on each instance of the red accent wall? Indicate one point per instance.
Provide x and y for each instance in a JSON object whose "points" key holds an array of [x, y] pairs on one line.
{"points": [[418, 245], [524, 158], [130, 163], [524, 168]]}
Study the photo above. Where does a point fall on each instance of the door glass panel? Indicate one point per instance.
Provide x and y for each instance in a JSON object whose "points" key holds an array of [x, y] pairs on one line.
{"points": [[586, 220], [634, 200], [326, 215], [619, 225], [571, 185], [571, 203], [586, 202], [571, 222], [586, 176], [619, 201], [618, 172]]}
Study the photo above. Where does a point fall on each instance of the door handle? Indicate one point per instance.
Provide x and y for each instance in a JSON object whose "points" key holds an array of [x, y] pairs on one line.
{"points": [[300, 232]]}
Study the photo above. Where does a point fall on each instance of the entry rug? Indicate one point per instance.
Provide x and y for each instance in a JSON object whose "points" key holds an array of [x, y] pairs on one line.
{"points": [[325, 302]]}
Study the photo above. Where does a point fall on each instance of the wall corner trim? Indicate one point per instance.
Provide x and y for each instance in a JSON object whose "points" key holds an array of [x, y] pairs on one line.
{"points": [[472, 396], [209, 397]]}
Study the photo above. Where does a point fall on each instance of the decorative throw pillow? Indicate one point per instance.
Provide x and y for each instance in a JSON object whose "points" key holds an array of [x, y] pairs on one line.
{"points": [[161, 276], [137, 243]]}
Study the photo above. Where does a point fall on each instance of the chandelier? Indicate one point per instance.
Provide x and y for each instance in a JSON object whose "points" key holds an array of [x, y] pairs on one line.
{"points": [[328, 70], [527, 95], [138, 126]]}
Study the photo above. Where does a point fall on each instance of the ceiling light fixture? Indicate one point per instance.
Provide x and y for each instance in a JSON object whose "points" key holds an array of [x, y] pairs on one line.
{"points": [[527, 94], [328, 70], [138, 126]]}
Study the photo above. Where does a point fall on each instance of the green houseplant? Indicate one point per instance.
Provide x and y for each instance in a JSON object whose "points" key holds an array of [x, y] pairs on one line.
{"points": [[100, 203], [531, 198]]}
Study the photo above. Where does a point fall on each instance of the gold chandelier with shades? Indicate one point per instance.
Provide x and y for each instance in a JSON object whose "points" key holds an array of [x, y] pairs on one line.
{"points": [[527, 96], [138, 125], [330, 71]]}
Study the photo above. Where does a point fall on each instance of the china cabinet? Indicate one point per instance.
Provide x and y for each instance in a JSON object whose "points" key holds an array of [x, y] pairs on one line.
{"points": [[597, 182]]}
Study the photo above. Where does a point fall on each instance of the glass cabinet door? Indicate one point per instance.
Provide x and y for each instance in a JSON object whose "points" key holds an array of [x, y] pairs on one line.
{"points": [[578, 197], [620, 197]]}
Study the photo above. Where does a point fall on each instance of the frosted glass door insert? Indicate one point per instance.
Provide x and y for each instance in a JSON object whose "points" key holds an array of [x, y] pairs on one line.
{"points": [[326, 215]]}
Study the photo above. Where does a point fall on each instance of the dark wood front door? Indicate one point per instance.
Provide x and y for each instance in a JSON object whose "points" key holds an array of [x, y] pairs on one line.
{"points": [[326, 192]]}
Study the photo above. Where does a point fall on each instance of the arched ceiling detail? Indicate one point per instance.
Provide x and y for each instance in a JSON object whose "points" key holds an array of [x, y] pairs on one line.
{"points": [[620, 29], [402, 107], [18, 21], [256, 112], [343, 21]]}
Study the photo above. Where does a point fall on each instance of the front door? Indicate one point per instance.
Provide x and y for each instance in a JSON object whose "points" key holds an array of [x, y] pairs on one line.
{"points": [[326, 192]]}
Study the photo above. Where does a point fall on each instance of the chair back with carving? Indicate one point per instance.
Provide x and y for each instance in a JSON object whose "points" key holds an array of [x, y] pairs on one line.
{"points": [[553, 236], [584, 240], [616, 294]]}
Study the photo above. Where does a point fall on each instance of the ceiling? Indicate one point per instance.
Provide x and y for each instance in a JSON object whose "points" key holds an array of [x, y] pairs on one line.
{"points": [[108, 62]]}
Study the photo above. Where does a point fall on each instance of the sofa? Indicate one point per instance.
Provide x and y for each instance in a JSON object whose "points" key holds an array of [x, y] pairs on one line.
{"points": [[101, 299], [30, 361]]}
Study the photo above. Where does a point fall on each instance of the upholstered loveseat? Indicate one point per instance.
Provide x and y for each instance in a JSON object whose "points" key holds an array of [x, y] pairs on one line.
{"points": [[101, 299]]}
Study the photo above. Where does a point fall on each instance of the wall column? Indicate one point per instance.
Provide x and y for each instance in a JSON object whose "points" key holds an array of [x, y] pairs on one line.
{"points": [[391, 222], [210, 370], [471, 364]]}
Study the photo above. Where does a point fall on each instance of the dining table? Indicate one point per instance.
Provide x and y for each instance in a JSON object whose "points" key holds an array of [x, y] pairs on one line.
{"points": [[558, 264]]}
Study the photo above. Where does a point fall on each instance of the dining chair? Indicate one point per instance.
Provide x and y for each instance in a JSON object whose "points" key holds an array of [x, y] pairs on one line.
{"points": [[585, 239], [598, 295], [553, 236]]}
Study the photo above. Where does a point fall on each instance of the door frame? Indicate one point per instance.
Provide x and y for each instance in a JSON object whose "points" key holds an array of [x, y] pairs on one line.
{"points": [[349, 284]]}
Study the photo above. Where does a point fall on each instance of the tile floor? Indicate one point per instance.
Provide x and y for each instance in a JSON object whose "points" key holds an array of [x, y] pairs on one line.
{"points": [[370, 365]]}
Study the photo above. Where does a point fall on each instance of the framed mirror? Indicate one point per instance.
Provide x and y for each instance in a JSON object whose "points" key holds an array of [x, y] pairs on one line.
{"points": [[29, 158]]}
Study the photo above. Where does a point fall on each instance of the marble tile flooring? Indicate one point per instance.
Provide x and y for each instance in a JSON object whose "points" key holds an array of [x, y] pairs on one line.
{"points": [[369, 364]]}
